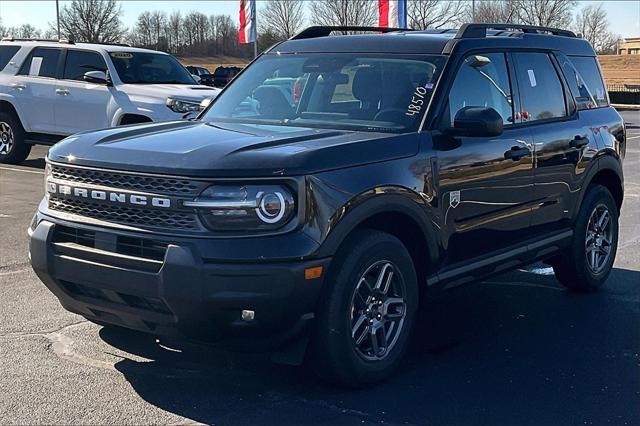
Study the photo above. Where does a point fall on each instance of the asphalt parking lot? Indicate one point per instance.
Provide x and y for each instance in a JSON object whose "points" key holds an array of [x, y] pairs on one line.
{"points": [[516, 349]]}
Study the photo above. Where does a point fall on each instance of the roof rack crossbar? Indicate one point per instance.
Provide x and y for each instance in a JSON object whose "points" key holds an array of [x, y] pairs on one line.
{"points": [[479, 30], [324, 31]]}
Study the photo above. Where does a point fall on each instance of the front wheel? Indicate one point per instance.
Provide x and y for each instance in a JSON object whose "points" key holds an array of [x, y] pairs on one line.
{"points": [[587, 264], [367, 312]]}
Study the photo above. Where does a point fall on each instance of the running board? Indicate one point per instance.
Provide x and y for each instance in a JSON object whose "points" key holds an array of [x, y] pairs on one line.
{"points": [[42, 139], [473, 270]]}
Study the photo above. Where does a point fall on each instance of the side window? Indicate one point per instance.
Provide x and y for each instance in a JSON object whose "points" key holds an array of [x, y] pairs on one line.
{"points": [[79, 62], [589, 70], [6, 53], [482, 80], [579, 90], [42, 62], [540, 88]]}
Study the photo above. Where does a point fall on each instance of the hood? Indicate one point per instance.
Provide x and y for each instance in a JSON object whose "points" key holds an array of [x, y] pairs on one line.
{"points": [[196, 92], [194, 148]]}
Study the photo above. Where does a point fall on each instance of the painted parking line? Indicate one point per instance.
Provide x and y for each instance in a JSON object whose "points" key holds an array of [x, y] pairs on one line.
{"points": [[633, 137], [11, 169]]}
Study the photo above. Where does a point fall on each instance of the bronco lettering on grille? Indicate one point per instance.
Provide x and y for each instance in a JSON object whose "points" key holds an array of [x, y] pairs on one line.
{"points": [[108, 196]]}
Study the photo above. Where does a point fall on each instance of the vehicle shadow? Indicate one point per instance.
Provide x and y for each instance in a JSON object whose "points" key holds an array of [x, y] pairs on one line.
{"points": [[516, 349], [34, 163]]}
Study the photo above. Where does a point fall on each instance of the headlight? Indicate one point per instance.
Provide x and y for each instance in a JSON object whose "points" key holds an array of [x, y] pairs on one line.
{"points": [[182, 106], [244, 207], [47, 175]]}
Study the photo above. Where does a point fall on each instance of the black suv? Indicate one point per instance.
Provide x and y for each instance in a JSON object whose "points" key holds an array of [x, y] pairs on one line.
{"points": [[309, 224]]}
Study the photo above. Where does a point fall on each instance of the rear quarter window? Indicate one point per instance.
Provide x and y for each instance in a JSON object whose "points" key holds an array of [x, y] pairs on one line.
{"points": [[588, 68], [6, 53]]}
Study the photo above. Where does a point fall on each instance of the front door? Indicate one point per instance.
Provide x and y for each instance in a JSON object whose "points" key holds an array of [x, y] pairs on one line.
{"points": [[81, 105], [486, 183]]}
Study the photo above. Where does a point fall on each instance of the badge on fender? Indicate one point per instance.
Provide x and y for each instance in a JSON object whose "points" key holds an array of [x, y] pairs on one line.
{"points": [[454, 199]]}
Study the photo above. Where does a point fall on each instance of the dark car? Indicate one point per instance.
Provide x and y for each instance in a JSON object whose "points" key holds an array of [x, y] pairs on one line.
{"points": [[310, 224], [223, 75], [198, 71]]}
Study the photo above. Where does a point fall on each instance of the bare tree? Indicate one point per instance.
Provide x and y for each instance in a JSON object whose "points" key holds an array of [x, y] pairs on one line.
{"points": [[593, 24], [93, 21], [546, 13], [27, 31], [343, 12], [282, 18], [494, 11], [424, 14]]}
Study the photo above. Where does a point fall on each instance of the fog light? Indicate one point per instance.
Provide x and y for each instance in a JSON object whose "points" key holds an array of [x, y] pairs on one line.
{"points": [[248, 315]]}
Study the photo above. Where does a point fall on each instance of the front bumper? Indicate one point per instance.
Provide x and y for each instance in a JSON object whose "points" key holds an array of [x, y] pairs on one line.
{"points": [[176, 293]]}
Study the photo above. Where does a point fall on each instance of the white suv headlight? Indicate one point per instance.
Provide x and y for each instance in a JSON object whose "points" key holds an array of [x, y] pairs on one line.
{"points": [[182, 105]]}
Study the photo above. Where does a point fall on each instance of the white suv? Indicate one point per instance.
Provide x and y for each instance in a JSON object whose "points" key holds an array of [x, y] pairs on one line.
{"points": [[50, 90]]}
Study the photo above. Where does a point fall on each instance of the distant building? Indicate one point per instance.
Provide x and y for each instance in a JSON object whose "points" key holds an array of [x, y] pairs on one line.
{"points": [[629, 46]]}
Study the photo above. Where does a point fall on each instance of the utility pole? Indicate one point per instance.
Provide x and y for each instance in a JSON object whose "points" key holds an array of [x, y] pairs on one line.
{"points": [[58, 17]]}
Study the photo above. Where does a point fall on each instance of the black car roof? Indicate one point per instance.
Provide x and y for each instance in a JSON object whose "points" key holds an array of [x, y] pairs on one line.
{"points": [[438, 41]]}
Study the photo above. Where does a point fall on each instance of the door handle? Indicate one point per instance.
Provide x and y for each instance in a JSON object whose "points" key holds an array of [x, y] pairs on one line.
{"points": [[516, 153], [62, 92], [579, 141], [19, 86]]}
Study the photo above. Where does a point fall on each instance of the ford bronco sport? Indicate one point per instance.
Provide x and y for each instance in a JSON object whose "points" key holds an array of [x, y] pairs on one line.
{"points": [[50, 90], [411, 161]]}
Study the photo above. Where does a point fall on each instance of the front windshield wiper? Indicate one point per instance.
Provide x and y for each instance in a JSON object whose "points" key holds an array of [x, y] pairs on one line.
{"points": [[308, 124]]}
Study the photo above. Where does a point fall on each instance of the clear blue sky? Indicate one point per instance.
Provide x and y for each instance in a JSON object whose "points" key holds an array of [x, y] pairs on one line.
{"points": [[624, 16]]}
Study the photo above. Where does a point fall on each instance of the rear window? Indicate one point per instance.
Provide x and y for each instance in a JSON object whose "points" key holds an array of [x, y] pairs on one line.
{"points": [[588, 68], [6, 53], [42, 62], [540, 87]]}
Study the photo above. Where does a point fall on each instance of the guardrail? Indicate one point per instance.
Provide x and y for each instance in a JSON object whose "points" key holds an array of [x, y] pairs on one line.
{"points": [[628, 94]]}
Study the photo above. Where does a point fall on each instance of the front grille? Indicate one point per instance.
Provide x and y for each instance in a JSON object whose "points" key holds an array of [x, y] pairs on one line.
{"points": [[130, 246], [146, 183], [130, 216]]}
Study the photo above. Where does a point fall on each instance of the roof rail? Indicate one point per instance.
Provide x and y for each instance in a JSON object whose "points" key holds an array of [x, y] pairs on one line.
{"points": [[323, 31], [65, 41], [476, 30]]}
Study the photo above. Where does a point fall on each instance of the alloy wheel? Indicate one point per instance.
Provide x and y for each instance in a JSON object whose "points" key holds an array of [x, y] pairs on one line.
{"points": [[599, 239], [6, 138], [378, 311]]}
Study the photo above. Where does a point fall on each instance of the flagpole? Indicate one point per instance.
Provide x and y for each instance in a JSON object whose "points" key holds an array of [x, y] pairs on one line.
{"points": [[58, 16], [255, 28]]}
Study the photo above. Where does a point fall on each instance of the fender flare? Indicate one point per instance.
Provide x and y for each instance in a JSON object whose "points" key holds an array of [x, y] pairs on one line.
{"points": [[608, 161], [381, 200]]}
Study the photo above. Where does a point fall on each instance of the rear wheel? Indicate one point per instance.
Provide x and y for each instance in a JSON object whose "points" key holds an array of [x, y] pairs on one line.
{"points": [[13, 148], [366, 315], [587, 264]]}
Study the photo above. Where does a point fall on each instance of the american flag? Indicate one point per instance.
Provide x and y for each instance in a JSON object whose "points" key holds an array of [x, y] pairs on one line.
{"points": [[247, 30], [392, 13]]}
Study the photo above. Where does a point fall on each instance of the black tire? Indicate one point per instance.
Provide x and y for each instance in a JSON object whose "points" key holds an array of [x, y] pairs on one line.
{"points": [[13, 149], [574, 269], [334, 354]]}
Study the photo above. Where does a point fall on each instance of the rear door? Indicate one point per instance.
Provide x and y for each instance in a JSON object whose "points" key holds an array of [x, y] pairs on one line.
{"points": [[562, 137], [486, 183], [81, 105], [34, 88]]}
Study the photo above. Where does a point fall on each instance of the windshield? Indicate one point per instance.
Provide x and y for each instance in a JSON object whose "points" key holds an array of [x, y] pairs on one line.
{"points": [[386, 93], [150, 68]]}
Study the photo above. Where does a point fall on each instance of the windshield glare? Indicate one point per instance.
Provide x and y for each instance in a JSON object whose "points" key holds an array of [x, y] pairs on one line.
{"points": [[150, 68], [340, 91]]}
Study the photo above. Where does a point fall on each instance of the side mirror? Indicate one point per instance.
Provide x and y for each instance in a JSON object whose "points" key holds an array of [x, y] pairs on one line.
{"points": [[98, 77], [478, 122], [196, 78]]}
